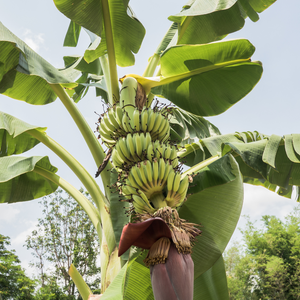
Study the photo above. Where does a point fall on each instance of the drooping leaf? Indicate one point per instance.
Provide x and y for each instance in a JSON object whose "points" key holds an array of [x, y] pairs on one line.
{"points": [[204, 22], [26, 75], [216, 204], [272, 162], [92, 76], [205, 80], [19, 182], [185, 127], [14, 138], [81, 65], [72, 35], [128, 32], [212, 285]]}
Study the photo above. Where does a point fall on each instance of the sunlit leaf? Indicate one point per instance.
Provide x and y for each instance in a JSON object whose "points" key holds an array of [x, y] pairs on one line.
{"points": [[72, 35], [204, 22], [19, 182], [128, 32], [205, 80], [26, 75], [14, 138]]}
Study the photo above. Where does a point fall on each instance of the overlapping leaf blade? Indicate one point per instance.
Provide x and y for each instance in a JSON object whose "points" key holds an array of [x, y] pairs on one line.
{"points": [[185, 127], [127, 31], [204, 22], [14, 138], [205, 80], [18, 181], [212, 285], [92, 76], [216, 204], [26, 75], [272, 162]]}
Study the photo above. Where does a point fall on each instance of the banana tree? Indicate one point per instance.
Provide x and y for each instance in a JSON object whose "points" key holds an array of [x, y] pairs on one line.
{"points": [[173, 184]]}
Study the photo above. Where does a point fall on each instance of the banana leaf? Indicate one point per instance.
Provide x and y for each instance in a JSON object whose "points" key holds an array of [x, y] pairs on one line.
{"points": [[269, 161], [186, 127], [215, 203], [204, 22], [128, 32], [205, 80], [20, 183], [14, 138], [212, 285], [25, 75]]}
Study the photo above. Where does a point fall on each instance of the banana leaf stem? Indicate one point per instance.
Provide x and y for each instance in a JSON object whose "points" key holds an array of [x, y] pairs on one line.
{"points": [[105, 68], [86, 131], [153, 63], [87, 206], [111, 52], [200, 166], [84, 176]]}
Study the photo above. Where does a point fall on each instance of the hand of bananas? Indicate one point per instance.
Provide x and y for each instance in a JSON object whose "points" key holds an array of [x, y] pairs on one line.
{"points": [[148, 165]]}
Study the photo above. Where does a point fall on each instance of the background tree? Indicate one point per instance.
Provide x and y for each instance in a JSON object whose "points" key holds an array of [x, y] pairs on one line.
{"points": [[64, 236], [269, 266], [14, 284]]}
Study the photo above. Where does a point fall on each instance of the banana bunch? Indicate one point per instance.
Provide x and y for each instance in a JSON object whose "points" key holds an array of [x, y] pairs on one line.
{"points": [[137, 147], [117, 122], [156, 178], [149, 175]]}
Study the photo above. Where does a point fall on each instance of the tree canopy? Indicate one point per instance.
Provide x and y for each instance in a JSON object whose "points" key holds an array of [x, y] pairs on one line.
{"points": [[268, 266], [14, 283], [64, 236]]}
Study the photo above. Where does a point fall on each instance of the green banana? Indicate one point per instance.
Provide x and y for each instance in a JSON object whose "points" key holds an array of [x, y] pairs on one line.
{"points": [[144, 120]]}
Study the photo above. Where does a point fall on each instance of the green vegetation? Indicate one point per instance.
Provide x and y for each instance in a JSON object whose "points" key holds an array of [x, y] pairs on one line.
{"points": [[14, 284], [267, 266]]}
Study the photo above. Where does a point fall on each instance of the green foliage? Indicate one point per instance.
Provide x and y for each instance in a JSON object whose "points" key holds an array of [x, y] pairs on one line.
{"points": [[64, 236], [269, 267], [14, 284]]}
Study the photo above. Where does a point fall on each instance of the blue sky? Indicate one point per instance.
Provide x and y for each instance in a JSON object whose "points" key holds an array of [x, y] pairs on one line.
{"points": [[272, 107]]}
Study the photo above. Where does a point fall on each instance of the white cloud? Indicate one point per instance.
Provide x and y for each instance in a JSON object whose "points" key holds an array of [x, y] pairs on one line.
{"points": [[34, 41], [20, 238], [8, 213]]}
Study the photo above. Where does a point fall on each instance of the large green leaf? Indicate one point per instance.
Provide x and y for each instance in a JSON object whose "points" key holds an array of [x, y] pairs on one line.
{"points": [[216, 204], [185, 127], [269, 161], [92, 76], [19, 182], [25, 75], [205, 80], [127, 31], [14, 138], [132, 282], [203, 22], [212, 285]]}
